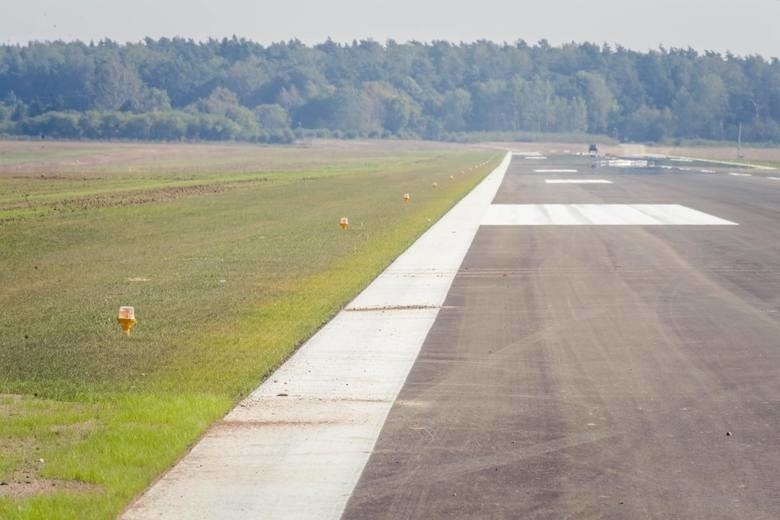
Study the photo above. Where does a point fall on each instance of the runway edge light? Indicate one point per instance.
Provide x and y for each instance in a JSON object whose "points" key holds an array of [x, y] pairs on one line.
{"points": [[344, 222], [126, 319]]}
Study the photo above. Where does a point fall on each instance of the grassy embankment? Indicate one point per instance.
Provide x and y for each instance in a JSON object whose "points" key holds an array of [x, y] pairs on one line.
{"points": [[231, 255]]}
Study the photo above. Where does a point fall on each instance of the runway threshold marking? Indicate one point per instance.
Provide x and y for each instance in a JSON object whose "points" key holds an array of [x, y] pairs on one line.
{"points": [[577, 181], [598, 215], [295, 448]]}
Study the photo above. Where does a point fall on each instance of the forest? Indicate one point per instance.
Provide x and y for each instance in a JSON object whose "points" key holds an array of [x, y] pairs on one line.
{"points": [[236, 89]]}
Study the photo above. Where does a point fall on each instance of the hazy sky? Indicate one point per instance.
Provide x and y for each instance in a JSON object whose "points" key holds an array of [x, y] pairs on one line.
{"points": [[744, 27]]}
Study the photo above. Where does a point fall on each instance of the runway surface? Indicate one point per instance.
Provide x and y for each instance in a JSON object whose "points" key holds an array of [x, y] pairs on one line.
{"points": [[597, 370]]}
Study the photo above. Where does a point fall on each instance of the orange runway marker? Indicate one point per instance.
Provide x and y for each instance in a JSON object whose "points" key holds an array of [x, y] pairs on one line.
{"points": [[126, 319]]}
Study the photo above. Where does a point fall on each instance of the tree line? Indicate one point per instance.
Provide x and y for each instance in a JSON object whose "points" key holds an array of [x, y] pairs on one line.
{"points": [[171, 89]]}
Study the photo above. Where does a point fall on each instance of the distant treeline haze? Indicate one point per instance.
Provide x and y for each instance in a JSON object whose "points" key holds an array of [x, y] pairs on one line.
{"points": [[236, 89]]}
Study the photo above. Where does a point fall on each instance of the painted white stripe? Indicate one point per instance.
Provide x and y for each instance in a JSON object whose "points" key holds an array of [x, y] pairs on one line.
{"points": [[536, 158], [555, 171], [740, 174], [296, 446], [577, 181], [774, 178], [598, 215]]}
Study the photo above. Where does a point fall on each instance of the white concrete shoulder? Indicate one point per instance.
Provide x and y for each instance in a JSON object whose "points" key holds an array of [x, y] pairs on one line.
{"points": [[295, 448]]}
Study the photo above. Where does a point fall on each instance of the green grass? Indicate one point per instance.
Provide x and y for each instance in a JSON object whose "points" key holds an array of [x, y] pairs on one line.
{"points": [[226, 280]]}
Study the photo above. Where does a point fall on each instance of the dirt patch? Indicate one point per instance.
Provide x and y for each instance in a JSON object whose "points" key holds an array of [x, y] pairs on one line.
{"points": [[79, 430], [26, 487], [137, 198], [9, 403]]}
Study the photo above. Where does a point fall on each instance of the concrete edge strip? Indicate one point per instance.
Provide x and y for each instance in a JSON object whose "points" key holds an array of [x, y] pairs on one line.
{"points": [[296, 447]]}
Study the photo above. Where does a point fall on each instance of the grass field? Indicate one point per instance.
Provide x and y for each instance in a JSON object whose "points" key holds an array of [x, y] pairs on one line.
{"points": [[232, 255]]}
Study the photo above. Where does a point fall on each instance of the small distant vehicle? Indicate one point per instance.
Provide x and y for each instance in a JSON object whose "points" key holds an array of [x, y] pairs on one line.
{"points": [[593, 150]]}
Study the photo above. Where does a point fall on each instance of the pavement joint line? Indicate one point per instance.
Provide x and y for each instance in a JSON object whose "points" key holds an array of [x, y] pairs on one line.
{"points": [[318, 417], [392, 308]]}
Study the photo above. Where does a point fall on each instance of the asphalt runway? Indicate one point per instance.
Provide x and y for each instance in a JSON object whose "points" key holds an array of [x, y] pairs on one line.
{"points": [[598, 371]]}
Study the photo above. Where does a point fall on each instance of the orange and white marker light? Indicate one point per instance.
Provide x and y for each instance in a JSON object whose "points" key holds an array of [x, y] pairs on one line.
{"points": [[126, 318], [435, 184], [407, 197], [344, 222]]}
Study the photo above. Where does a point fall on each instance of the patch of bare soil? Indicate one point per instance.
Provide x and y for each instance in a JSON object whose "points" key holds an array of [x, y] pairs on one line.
{"points": [[24, 486], [137, 198], [9, 402], [111, 200]]}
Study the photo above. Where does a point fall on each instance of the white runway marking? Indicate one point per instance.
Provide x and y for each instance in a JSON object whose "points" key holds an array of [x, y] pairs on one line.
{"points": [[598, 215], [577, 181], [536, 158], [740, 174], [555, 171], [295, 448], [774, 178]]}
